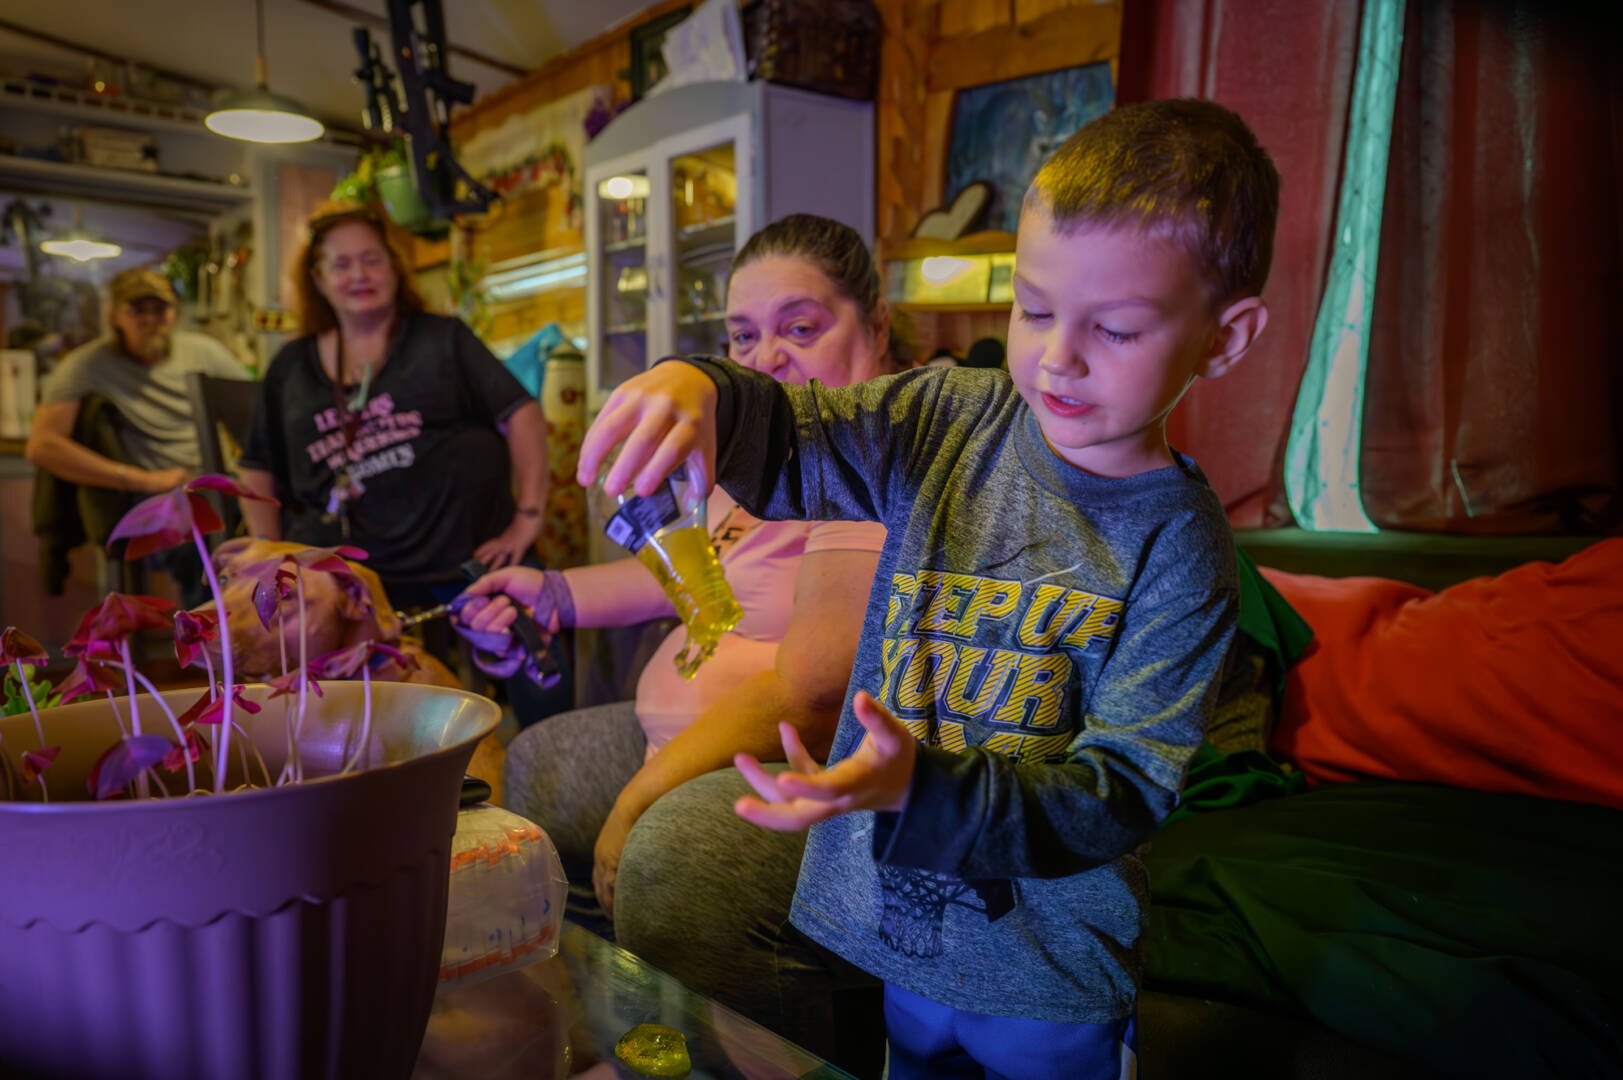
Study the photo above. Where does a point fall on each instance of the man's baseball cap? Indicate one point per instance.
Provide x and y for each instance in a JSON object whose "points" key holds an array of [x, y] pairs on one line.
{"points": [[139, 283]]}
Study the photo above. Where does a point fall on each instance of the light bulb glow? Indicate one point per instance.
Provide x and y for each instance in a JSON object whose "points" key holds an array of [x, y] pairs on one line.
{"points": [[80, 249], [940, 269], [624, 187]]}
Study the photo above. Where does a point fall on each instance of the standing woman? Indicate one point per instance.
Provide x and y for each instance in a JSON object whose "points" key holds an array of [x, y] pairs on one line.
{"points": [[389, 428]]}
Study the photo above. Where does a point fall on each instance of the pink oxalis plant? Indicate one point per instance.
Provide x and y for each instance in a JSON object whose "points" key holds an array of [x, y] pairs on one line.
{"points": [[138, 761]]}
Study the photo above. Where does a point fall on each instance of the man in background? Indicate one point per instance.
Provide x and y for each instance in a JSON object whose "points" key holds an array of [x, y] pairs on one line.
{"points": [[139, 367]]}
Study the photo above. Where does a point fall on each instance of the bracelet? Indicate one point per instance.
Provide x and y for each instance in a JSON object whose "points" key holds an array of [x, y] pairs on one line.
{"points": [[528, 511]]}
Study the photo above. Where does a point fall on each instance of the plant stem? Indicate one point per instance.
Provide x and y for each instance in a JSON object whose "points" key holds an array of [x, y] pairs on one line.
{"points": [[123, 730], [242, 753], [287, 702], [135, 710], [222, 749], [304, 674], [191, 778], [28, 693], [129, 680], [366, 717]]}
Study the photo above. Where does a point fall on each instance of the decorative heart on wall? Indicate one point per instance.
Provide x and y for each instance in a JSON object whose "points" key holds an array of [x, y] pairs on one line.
{"points": [[951, 222]]}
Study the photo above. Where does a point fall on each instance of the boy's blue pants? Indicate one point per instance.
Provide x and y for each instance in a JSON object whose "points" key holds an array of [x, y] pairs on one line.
{"points": [[929, 1041]]}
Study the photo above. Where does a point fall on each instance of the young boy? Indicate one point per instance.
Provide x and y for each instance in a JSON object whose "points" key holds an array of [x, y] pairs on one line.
{"points": [[1052, 607]]}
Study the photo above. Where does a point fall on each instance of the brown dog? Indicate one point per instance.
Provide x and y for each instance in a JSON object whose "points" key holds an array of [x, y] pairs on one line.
{"points": [[340, 615]]}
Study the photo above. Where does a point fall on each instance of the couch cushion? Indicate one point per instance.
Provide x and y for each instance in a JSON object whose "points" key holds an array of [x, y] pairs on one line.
{"points": [[1473, 933], [1511, 683]]}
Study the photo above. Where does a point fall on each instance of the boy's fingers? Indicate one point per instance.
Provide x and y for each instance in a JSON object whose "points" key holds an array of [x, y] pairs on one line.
{"points": [[780, 817], [794, 751], [764, 783], [882, 727], [824, 785]]}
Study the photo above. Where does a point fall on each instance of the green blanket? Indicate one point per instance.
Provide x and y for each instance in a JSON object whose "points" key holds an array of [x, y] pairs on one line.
{"points": [[1474, 933]]}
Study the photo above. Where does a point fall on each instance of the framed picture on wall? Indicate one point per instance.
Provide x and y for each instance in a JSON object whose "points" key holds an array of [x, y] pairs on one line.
{"points": [[647, 61], [1001, 132]]}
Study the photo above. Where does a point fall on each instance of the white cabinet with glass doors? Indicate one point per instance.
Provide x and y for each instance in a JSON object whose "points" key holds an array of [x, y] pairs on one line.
{"points": [[678, 182]]}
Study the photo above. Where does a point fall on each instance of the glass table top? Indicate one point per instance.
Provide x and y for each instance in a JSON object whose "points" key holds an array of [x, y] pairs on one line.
{"points": [[561, 1017]]}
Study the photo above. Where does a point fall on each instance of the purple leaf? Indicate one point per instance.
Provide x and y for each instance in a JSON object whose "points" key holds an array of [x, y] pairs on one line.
{"points": [[340, 663], [153, 524], [330, 560], [212, 711], [193, 630], [289, 683], [17, 647], [176, 759], [124, 761], [87, 677], [37, 761], [114, 619], [163, 521], [226, 486]]}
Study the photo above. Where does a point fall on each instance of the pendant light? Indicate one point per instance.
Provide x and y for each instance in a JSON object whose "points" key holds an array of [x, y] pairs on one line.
{"points": [[79, 245], [259, 115]]}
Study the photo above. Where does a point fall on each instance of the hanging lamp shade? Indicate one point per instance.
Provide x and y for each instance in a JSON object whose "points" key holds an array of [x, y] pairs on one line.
{"points": [[81, 248], [259, 115], [263, 117], [79, 244]]}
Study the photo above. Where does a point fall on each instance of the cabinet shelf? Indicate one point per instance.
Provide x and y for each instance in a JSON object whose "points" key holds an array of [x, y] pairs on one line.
{"points": [[627, 328], [634, 243], [701, 318], [719, 231]]}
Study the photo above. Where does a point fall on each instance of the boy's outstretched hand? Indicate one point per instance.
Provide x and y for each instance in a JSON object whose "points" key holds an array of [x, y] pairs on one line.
{"points": [[876, 777], [660, 419]]}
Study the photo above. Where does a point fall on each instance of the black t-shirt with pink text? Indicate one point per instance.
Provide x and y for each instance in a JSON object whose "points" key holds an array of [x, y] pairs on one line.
{"points": [[425, 449]]}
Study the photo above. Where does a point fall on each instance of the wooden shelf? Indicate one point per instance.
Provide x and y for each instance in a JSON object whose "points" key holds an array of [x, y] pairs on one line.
{"points": [[947, 309], [991, 242], [32, 176], [93, 108]]}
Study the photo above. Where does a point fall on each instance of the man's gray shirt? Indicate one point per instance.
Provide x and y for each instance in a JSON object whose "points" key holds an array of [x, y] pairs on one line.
{"points": [[159, 432]]}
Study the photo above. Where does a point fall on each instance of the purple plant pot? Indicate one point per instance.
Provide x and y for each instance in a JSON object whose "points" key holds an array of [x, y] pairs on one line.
{"points": [[283, 932]]}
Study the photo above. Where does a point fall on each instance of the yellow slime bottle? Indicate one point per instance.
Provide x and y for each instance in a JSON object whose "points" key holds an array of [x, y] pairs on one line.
{"points": [[674, 543]]}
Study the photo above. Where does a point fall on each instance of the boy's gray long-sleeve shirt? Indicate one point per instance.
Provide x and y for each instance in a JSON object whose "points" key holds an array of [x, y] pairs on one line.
{"points": [[1051, 637]]}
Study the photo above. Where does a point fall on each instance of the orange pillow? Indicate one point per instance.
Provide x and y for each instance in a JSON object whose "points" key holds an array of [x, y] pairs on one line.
{"points": [[1511, 683]]}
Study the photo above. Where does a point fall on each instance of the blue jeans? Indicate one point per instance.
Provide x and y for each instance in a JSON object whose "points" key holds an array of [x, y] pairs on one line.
{"points": [[930, 1041]]}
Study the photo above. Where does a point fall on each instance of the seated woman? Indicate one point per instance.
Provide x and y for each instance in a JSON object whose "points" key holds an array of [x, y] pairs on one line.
{"points": [[389, 428], [803, 303]]}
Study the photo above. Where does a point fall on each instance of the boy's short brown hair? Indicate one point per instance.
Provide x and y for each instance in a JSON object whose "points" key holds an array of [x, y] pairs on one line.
{"points": [[1186, 169]]}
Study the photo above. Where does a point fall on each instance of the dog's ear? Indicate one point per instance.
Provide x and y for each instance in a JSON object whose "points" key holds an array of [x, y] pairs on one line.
{"points": [[366, 601]]}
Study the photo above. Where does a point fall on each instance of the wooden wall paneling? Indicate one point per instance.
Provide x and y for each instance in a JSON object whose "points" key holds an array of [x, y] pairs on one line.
{"points": [[526, 223], [604, 59], [959, 17], [937, 134], [1078, 33], [902, 159]]}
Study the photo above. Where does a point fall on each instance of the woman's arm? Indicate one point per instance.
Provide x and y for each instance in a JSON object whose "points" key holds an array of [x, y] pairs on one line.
{"points": [[263, 519], [526, 433], [619, 593], [806, 688]]}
